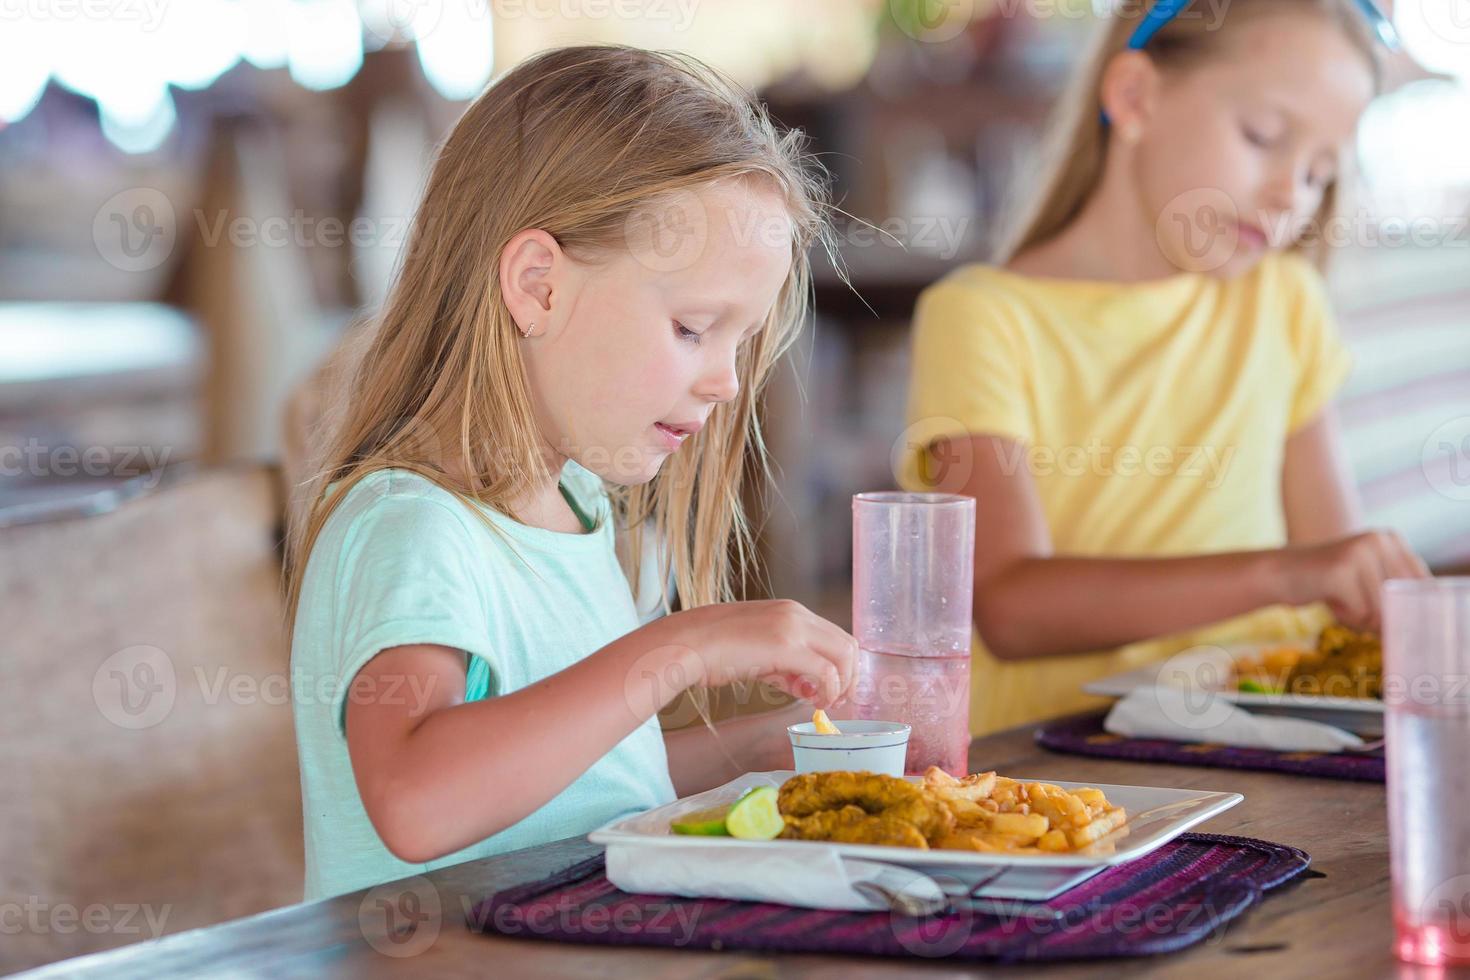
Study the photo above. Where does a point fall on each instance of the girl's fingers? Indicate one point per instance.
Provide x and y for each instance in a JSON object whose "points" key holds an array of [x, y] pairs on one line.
{"points": [[1404, 563], [1371, 598], [836, 645], [810, 677]]}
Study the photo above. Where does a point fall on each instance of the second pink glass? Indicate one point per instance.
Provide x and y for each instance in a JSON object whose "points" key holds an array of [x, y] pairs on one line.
{"points": [[913, 574], [1426, 699]]}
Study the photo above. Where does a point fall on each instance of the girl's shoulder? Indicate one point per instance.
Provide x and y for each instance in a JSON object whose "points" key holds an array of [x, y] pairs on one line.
{"points": [[399, 499], [1000, 286], [990, 299], [974, 287], [978, 277]]}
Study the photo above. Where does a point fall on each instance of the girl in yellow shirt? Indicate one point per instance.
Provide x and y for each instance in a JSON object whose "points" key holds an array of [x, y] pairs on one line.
{"points": [[1138, 397]]}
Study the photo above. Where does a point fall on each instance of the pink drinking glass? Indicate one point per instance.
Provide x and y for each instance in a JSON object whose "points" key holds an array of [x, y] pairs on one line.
{"points": [[913, 573], [1426, 648]]}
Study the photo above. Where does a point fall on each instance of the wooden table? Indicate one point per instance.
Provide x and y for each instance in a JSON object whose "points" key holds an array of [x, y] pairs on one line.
{"points": [[1335, 926]]}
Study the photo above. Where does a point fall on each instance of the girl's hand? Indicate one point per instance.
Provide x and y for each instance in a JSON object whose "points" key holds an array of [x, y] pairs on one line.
{"points": [[1348, 574], [777, 641]]}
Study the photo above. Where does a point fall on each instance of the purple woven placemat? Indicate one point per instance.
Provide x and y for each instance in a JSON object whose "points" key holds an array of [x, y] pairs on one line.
{"points": [[1172, 898], [1086, 736]]}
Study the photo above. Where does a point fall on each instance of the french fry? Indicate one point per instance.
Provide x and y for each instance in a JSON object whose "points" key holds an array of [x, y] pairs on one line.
{"points": [[1057, 805], [1007, 792], [1091, 796], [1053, 840], [965, 811], [976, 786], [1023, 826], [987, 843], [1110, 821]]}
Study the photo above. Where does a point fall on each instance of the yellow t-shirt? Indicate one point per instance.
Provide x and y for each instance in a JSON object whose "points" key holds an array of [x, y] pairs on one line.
{"points": [[1153, 418]]}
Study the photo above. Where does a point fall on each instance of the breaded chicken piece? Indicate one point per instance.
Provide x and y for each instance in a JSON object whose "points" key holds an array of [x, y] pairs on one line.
{"points": [[876, 794], [854, 825]]}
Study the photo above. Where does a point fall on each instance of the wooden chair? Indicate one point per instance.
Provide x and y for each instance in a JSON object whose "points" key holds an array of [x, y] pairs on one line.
{"points": [[151, 782]]}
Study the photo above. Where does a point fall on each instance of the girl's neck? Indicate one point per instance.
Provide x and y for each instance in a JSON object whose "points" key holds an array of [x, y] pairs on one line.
{"points": [[1112, 239]]}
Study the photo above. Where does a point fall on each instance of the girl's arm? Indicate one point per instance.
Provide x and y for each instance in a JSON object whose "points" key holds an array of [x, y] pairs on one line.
{"points": [[1317, 493], [1030, 602], [436, 774]]}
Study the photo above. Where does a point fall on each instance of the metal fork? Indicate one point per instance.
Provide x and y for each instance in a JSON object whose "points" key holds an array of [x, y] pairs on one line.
{"points": [[916, 906]]}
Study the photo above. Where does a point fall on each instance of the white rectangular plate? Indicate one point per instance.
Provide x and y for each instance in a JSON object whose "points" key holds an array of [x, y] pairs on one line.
{"points": [[1155, 816], [1210, 669]]}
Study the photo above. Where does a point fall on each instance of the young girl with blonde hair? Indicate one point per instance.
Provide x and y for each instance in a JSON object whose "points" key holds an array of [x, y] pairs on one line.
{"points": [[609, 259], [1138, 397]]}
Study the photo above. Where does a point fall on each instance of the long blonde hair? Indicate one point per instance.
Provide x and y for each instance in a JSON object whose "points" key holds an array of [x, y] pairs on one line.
{"points": [[1078, 142], [573, 141]]}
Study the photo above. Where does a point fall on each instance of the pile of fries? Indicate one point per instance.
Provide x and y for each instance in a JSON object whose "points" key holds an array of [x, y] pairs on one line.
{"points": [[996, 814]]}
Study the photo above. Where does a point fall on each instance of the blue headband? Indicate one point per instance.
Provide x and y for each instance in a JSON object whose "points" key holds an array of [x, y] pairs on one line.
{"points": [[1164, 11]]}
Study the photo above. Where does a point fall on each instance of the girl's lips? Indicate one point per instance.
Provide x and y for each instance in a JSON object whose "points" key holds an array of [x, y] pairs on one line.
{"points": [[1251, 237], [673, 438]]}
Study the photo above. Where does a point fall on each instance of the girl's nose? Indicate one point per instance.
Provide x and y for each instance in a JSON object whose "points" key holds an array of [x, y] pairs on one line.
{"points": [[1284, 188], [722, 383]]}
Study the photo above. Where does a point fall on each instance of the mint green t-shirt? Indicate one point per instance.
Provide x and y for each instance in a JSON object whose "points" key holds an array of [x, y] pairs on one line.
{"points": [[402, 561]]}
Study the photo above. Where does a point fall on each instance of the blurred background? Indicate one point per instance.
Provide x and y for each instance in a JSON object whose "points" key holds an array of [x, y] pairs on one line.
{"points": [[197, 198]]}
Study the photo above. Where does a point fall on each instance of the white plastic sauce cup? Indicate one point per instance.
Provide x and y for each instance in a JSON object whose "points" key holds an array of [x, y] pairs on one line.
{"points": [[863, 746]]}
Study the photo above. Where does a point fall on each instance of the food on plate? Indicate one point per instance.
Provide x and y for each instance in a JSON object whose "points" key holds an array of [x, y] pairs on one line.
{"points": [[1345, 663], [997, 814], [755, 815], [874, 793], [822, 725], [1266, 672], [752, 817], [854, 825], [703, 823], [979, 812]]}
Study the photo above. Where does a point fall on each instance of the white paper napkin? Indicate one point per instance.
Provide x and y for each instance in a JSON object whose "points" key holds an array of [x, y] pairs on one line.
{"points": [[815, 877], [1194, 716]]}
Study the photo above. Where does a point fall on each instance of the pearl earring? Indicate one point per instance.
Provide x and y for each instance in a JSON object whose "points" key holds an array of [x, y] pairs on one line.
{"points": [[529, 327]]}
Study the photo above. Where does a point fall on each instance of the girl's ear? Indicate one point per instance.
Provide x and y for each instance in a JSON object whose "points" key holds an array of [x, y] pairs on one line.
{"points": [[1129, 93], [531, 265]]}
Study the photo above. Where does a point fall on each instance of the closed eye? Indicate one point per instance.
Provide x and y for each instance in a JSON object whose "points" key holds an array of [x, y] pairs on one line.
{"points": [[685, 333], [1257, 138]]}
